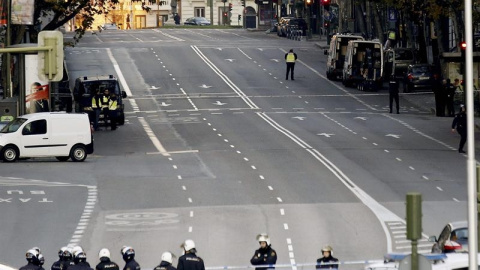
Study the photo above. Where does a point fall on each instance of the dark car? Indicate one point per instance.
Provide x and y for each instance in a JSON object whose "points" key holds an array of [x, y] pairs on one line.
{"points": [[296, 23], [418, 76], [197, 21], [453, 238]]}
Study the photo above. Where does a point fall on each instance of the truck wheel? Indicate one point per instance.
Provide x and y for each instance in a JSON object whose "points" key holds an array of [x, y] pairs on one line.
{"points": [[9, 153], [78, 153], [63, 159]]}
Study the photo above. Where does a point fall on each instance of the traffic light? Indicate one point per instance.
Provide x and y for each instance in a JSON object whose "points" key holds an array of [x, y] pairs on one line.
{"points": [[50, 63], [230, 7], [225, 14], [308, 2], [463, 47], [326, 24], [325, 4]]}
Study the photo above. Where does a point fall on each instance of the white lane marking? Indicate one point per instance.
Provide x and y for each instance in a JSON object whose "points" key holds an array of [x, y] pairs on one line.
{"points": [[411, 168], [168, 35], [179, 177], [261, 177], [246, 159], [285, 226], [381, 212], [191, 213], [425, 177], [270, 187], [190, 200], [386, 151], [175, 167], [439, 188], [84, 219], [282, 212], [279, 199], [232, 146], [226, 79], [399, 159], [189, 99], [190, 229], [184, 187], [238, 152], [156, 142], [455, 199], [254, 168], [225, 140]]}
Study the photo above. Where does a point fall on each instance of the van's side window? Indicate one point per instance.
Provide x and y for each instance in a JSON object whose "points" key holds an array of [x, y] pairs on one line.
{"points": [[35, 128]]}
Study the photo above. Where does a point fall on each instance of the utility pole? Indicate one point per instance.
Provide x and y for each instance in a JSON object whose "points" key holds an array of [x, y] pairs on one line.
{"points": [[8, 90]]}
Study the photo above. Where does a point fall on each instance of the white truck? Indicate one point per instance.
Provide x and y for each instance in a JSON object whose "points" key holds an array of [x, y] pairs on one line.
{"points": [[336, 54], [363, 65]]}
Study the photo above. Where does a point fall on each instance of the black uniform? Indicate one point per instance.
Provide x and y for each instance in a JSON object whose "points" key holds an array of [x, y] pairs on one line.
{"points": [[190, 261], [437, 88], [393, 90], [324, 263], [30, 266], [61, 265], [460, 123], [131, 265], [106, 264], [80, 266], [264, 256], [450, 92], [165, 266]]}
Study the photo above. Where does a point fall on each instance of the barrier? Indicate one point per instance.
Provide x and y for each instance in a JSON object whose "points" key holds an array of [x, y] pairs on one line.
{"points": [[297, 265]]}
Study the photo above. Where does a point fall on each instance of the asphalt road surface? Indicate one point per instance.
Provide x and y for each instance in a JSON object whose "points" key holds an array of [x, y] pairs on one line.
{"points": [[217, 147]]}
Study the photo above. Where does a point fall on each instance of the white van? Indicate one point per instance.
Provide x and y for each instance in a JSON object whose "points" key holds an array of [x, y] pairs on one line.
{"points": [[336, 54], [51, 134]]}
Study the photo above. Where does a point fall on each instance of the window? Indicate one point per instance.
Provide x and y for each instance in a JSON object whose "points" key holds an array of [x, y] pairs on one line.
{"points": [[35, 128], [199, 12]]}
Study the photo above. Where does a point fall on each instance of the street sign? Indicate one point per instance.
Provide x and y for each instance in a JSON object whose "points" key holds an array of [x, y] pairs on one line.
{"points": [[392, 14]]}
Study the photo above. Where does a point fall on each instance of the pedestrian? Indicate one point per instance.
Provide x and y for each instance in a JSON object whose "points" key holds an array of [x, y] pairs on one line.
{"points": [[96, 109], [128, 254], [450, 92], [327, 261], [166, 263], [190, 260], [64, 258], [265, 255], [460, 124], [105, 262], [104, 104], [128, 21], [176, 18], [112, 111], [290, 59], [393, 93], [437, 88], [33, 263], [80, 260]]}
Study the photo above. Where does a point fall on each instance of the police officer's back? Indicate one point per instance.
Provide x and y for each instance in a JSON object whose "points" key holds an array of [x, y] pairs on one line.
{"points": [[166, 263], [80, 260], [33, 261], [128, 254], [265, 255], [190, 260], [327, 261], [105, 262]]}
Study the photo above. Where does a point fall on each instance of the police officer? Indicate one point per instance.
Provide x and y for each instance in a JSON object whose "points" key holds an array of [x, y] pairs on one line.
{"points": [[80, 260], [32, 259], [128, 255], [166, 263], [393, 93], [265, 255], [41, 261], [460, 123], [327, 261], [112, 111], [60, 264], [290, 59], [105, 102], [96, 108], [190, 260], [105, 262]]}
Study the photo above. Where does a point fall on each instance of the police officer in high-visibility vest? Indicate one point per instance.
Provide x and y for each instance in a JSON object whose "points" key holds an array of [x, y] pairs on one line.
{"points": [[290, 58], [112, 110], [105, 103], [96, 108]]}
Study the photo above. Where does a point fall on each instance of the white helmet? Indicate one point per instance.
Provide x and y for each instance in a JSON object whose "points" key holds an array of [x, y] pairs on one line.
{"points": [[328, 248], [104, 253], [263, 237], [167, 257], [76, 250], [188, 245]]}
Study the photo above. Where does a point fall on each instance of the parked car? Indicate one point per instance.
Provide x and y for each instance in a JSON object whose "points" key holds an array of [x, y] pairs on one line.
{"points": [[298, 23], [110, 26], [50, 134], [453, 238], [197, 21], [282, 26], [418, 76]]}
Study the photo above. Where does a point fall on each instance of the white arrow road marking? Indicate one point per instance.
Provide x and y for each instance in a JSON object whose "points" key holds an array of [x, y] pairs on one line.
{"points": [[204, 86], [165, 104], [361, 118], [154, 87], [301, 118], [393, 135], [230, 60], [274, 60], [219, 103], [325, 134]]}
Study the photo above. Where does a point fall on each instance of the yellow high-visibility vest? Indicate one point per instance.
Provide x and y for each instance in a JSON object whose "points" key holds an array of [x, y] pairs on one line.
{"points": [[391, 35], [290, 58], [112, 105], [94, 103], [105, 101]]}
